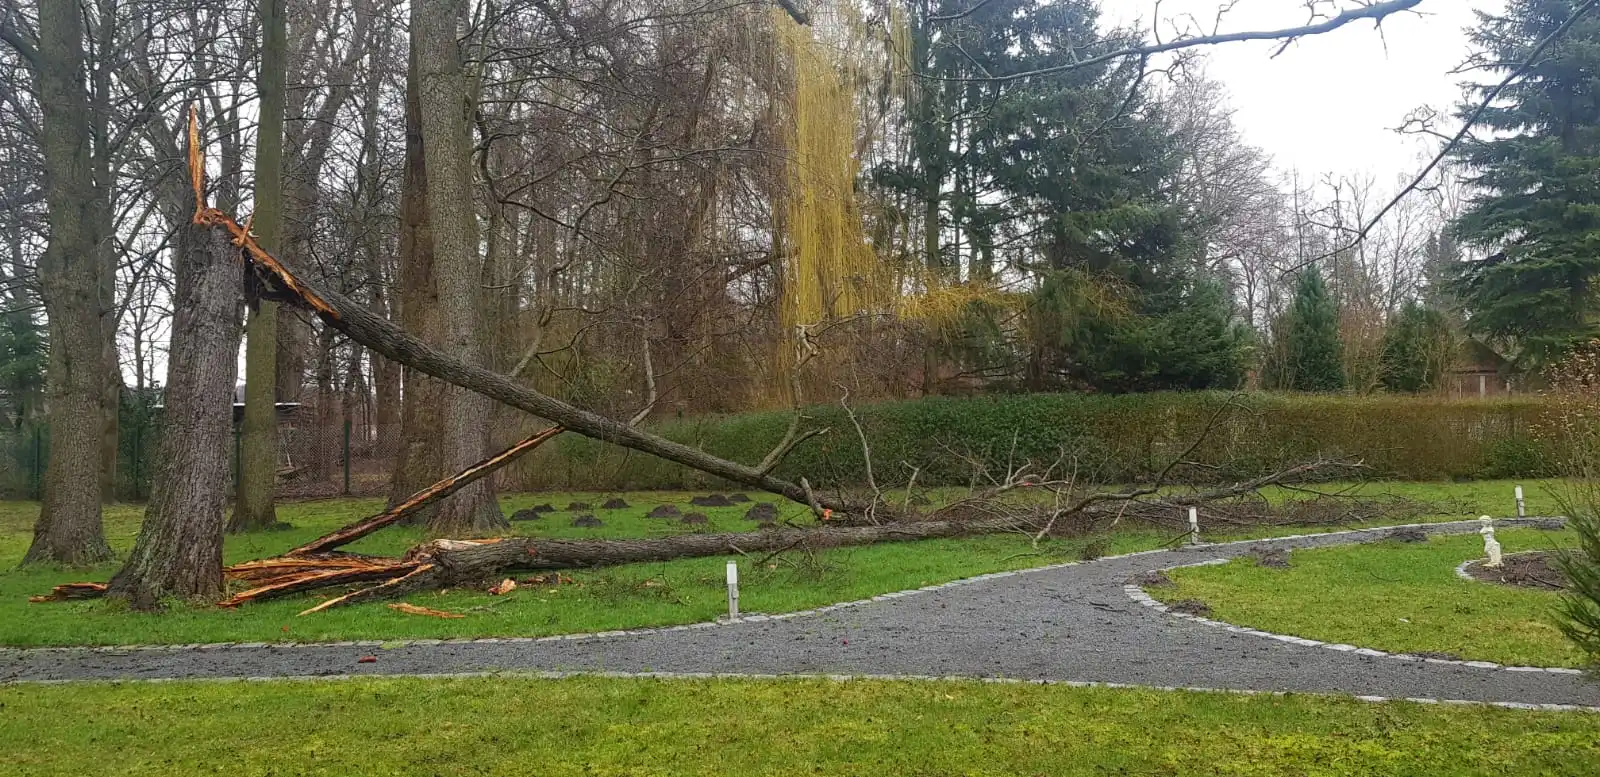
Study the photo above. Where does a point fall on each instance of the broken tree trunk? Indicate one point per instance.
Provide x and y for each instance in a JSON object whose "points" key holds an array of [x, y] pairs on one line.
{"points": [[445, 563], [179, 550], [383, 337]]}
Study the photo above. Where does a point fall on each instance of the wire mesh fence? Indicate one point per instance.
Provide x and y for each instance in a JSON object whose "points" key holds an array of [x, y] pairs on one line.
{"points": [[320, 454]]}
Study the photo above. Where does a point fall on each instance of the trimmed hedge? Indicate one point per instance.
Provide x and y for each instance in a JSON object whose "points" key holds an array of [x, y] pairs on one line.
{"points": [[1124, 438]]}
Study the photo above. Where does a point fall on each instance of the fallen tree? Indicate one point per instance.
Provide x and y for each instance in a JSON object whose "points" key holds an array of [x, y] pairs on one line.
{"points": [[451, 562], [269, 279]]}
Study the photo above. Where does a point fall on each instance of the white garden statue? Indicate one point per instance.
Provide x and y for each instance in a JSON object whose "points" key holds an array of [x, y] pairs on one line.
{"points": [[1491, 546]]}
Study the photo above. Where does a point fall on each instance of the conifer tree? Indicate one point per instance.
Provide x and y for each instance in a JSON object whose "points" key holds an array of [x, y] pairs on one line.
{"points": [[1538, 211]]}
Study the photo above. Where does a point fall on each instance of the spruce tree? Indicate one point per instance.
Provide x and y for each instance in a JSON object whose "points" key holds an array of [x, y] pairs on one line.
{"points": [[1537, 213], [1311, 351]]}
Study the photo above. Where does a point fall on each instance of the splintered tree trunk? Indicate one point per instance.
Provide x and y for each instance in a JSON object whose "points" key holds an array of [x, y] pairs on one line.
{"points": [[417, 459], [179, 551], [254, 507], [69, 529], [458, 266]]}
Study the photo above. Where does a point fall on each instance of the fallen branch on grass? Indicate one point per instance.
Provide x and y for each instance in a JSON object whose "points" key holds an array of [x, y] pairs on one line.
{"points": [[425, 497]]}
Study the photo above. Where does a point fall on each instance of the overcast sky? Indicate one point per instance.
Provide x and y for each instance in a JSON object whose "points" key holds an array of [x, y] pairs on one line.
{"points": [[1330, 103]]}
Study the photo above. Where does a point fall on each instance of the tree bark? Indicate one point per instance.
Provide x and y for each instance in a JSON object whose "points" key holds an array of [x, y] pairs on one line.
{"points": [[69, 529], [254, 507], [179, 550], [384, 338], [417, 459], [452, 563], [458, 266]]}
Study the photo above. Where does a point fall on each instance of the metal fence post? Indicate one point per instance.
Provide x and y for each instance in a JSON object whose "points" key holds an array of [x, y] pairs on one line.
{"points": [[347, 456], [38, 463], [138, 453]]}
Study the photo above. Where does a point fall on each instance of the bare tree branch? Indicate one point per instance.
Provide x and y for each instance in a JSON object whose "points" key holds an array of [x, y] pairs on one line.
{"points": [[1377, 12], [1455, 140]]}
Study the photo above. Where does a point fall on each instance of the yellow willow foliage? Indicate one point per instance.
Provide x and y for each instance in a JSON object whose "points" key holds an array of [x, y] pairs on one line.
{"points": [[943, 304], [831, 271]]}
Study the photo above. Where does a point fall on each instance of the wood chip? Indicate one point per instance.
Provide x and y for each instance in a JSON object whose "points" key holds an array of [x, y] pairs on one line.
{"points": [[412, 609], [503, 587]]}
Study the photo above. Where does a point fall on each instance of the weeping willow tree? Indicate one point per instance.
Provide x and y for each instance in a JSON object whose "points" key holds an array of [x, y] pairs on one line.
{"points": [[832, 273]]}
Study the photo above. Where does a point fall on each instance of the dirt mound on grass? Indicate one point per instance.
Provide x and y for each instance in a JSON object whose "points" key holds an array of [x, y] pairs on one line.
{"points": [[615, 504], [712, 500], [1271, 558], [1406, 535], [664, 511], [587, 522], [1193, 607], [526, 515], [1536, 569]]}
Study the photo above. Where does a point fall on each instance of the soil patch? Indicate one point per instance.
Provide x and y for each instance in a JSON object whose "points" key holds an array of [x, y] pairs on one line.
{"points": [[587, 522], [1190, 607], [526, 515], [712, 500], [1271, 558], [1406, 535], [615, 504], [1535, 569], [664, 511]]}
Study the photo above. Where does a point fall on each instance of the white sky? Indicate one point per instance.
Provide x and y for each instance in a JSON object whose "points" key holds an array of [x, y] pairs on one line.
{"points": [[1329, 103]]}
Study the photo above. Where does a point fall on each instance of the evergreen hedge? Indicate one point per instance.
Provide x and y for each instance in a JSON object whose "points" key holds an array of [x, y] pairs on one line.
{"points": [[1123, 438]]}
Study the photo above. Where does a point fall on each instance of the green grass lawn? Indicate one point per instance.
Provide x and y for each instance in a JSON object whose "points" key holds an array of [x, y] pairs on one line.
{"points": [[597, 726], [631, 596], [1396, 597]]}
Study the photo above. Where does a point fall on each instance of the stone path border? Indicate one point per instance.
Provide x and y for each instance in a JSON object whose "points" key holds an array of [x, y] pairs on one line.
{"points": [[754, 617], [838, 678], [1139, 595], [576, 636], [1066, 623]]}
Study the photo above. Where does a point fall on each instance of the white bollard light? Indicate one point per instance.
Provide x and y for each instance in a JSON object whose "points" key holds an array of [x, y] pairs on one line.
{"points": [[733, 590], [1522, 510], [1194, 526]]}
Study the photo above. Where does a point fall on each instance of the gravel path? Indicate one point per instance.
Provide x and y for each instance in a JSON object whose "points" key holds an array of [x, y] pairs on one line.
{"points": [[1070, 623]]}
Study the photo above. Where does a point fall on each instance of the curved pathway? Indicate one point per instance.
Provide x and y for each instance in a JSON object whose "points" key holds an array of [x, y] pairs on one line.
{"points": [[1068, 623]]}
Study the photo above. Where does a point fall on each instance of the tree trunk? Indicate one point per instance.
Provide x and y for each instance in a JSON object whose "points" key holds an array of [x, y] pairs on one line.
{"points": [[458, 267], [179, 551], [69, 529], [416, 459], [455, 563], [254, 508], [392, 342]]}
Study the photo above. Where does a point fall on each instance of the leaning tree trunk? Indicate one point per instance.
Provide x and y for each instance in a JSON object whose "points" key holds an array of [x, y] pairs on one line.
{"points": [[179, 551], [458, 266], [254, 507], [69, 529]]}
